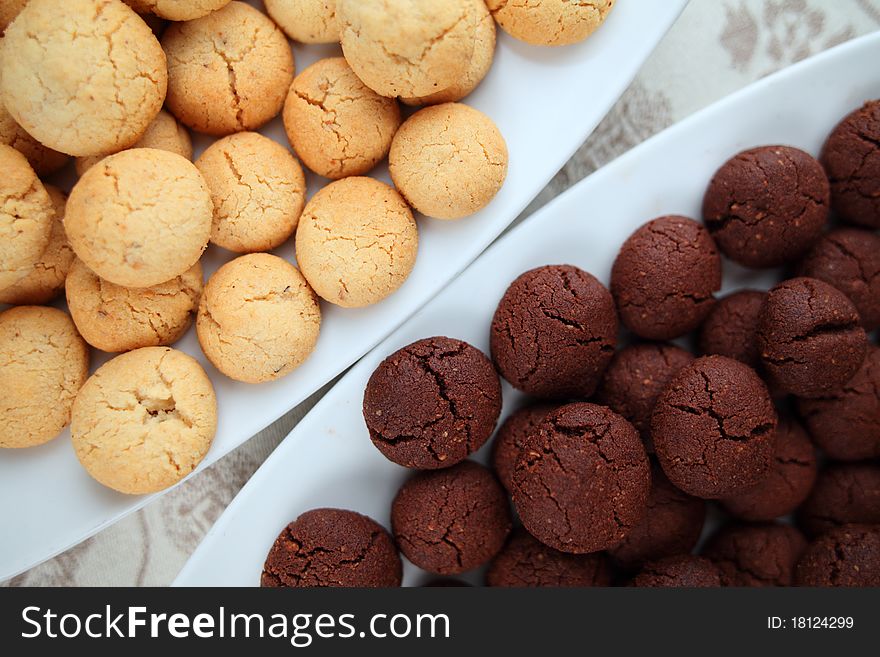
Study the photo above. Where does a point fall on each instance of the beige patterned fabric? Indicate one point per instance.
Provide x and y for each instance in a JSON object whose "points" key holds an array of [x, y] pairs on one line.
{"points": [[716, 47]]}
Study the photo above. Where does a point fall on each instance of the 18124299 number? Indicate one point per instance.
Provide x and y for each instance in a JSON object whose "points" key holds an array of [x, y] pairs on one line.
{"points": [[810, 623]]}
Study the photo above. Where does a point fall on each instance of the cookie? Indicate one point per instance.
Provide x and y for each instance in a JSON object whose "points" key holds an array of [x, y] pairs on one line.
{"points": [[43, 364], [177, 10], [844, 493], [228, 71], [448, 161], [851, 157], [452, 520], [714, 428], [426, 48], [731, 328], [554, 332], [664, 278], [258, 190], [332, 547], [526, 562], [511, 437], [845, 556], [432, 403], [46, 277], [9, 9], [549, 22], [581, 482], [681, 571], [115, 318], [93, 80], [336, 124], [258, 319], [306, 21], [140, 217], [26, 217], [756, 555], [44, 160], [356, 242], [144, 420], [810, 337], [164, 134]]}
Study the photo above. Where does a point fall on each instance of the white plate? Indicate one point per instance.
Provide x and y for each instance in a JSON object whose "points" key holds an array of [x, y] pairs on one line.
{"points": [[328, 460], [546, 101]]}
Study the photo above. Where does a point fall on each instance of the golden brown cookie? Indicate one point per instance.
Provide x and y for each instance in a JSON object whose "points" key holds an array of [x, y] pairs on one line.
{"points": [[82, 76], [306, 21], [164, 134], [43, 160], [408, 47], [337, 125], [46, 278], [115, 318], [258, 319], [26, 217], [549, 22], [228, 71], [356, 242], [144, 420], [140, 217], [258, 189], [177, 10], [448, 160], [43, 363]]}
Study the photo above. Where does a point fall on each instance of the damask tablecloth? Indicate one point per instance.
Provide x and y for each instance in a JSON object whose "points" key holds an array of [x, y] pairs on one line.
{"points": [[715, 48]]}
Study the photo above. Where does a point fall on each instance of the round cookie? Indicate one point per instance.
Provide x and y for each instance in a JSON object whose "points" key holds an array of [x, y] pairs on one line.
{"points": [[306, 21], [581, 483], [432, 403], [664, 278], [549, 22], [177, 10], [681, 571], [554, 332], [766, 206], [526, 562], [448, 161], [336, 124], [356, 242], [26, 217], [756, 555], [93, 80], [845, 556], [844, 493], [44, 160], [849, 259], [258, 190], [228, 71], [810, 337], [46, 278], [714, 428], [512, 436], [851, 157], [115, 318], [45, 363], [332, 547], [452, 520], [258, 319], [140, 217], [425, 48], [787, 483], [731, 327], [671, 525], [144, 420], [164, 134]]}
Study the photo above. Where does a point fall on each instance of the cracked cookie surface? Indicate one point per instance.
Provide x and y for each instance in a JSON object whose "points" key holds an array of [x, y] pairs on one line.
{"points": [[844, 493], [511, 437], [44, 160], [177, 10], [550, 22], [731, 328], [844, 556], [684, 570], [306, 21], [756, 555]]}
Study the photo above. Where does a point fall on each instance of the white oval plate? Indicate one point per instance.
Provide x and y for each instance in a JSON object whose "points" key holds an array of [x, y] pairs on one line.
{"points": [[328, 459]]}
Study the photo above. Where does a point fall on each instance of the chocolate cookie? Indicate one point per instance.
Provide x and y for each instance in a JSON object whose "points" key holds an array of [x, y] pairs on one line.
{"points": [[732, 326], [766, 206], [810, 337], [581, 482], [849, 259], [681, 571], [756, 555], [511, 436], [845, 556], [844, 493], [432, 403], [851, 157], [671, 525], [788, 481], [452, 520], [554, 332], [332, 547], [664, 278], [526, 562]]}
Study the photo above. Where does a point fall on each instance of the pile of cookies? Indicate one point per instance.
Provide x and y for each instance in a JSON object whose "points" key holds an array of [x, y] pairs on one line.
{"points": [[117, 85], [614, 464]]}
